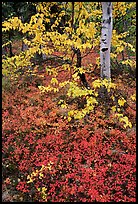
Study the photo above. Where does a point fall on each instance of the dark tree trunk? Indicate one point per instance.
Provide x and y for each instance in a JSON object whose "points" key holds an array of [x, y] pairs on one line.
{"points": [[78, 53], [72, 20], [10, 45], [78, 64]]}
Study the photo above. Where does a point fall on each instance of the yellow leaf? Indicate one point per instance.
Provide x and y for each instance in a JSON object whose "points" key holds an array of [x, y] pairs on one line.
{"points": [[112, 97], [69, 119], [133, 97], [121, 101], [63, 106], [96, 83], [113, 108], [41, 175], [71, 113], [60, 102], [54, 81]]}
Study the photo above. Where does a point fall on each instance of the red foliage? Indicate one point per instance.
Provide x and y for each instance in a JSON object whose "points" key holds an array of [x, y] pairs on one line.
{"points": [[92, 160], [89, 164]]}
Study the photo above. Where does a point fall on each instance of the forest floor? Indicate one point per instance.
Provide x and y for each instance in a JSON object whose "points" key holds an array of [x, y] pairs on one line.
{"points": [[26, 113]]}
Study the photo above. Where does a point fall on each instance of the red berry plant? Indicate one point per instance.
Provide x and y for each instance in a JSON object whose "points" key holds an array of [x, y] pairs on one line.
{"points": [[48, 158], [67, 134]]}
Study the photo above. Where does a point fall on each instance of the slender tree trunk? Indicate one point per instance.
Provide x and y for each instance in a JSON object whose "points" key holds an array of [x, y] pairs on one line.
{"points": [[24, 46], [78, 53], [72, 20], [78, 64], [41, 56], [10, 45], [106, 36]]}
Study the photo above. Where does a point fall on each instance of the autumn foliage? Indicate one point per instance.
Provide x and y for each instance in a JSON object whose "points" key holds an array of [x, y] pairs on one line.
{"points": [[62, 142], [48, 158]]}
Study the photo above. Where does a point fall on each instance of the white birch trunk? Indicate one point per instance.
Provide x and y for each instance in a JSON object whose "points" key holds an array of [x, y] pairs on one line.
{"points": [[106, 35]]}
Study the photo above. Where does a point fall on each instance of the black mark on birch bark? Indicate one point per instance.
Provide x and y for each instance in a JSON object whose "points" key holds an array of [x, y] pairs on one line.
{"points": [[104, 27], [108, 10], [103, 41], [104, 49], [109, 20]]}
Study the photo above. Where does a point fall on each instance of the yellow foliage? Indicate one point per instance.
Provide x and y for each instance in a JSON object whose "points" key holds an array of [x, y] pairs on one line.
{"points": [[113, 55], [119, 8], [124, 120], [60, 102], [63, 106], [90, 38], [43, 193], [71, 113], [39, 173], [79, 115], [12, 23], [121, 101], [105, 82], [91, 101], [113, 108], [69, 119], [133, 97], [54, 81], [62, 84], [131, 63], [96, 83]]}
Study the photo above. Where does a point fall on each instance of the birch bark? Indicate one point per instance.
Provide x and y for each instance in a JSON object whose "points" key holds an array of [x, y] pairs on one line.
{"points": [[106, 35]]}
